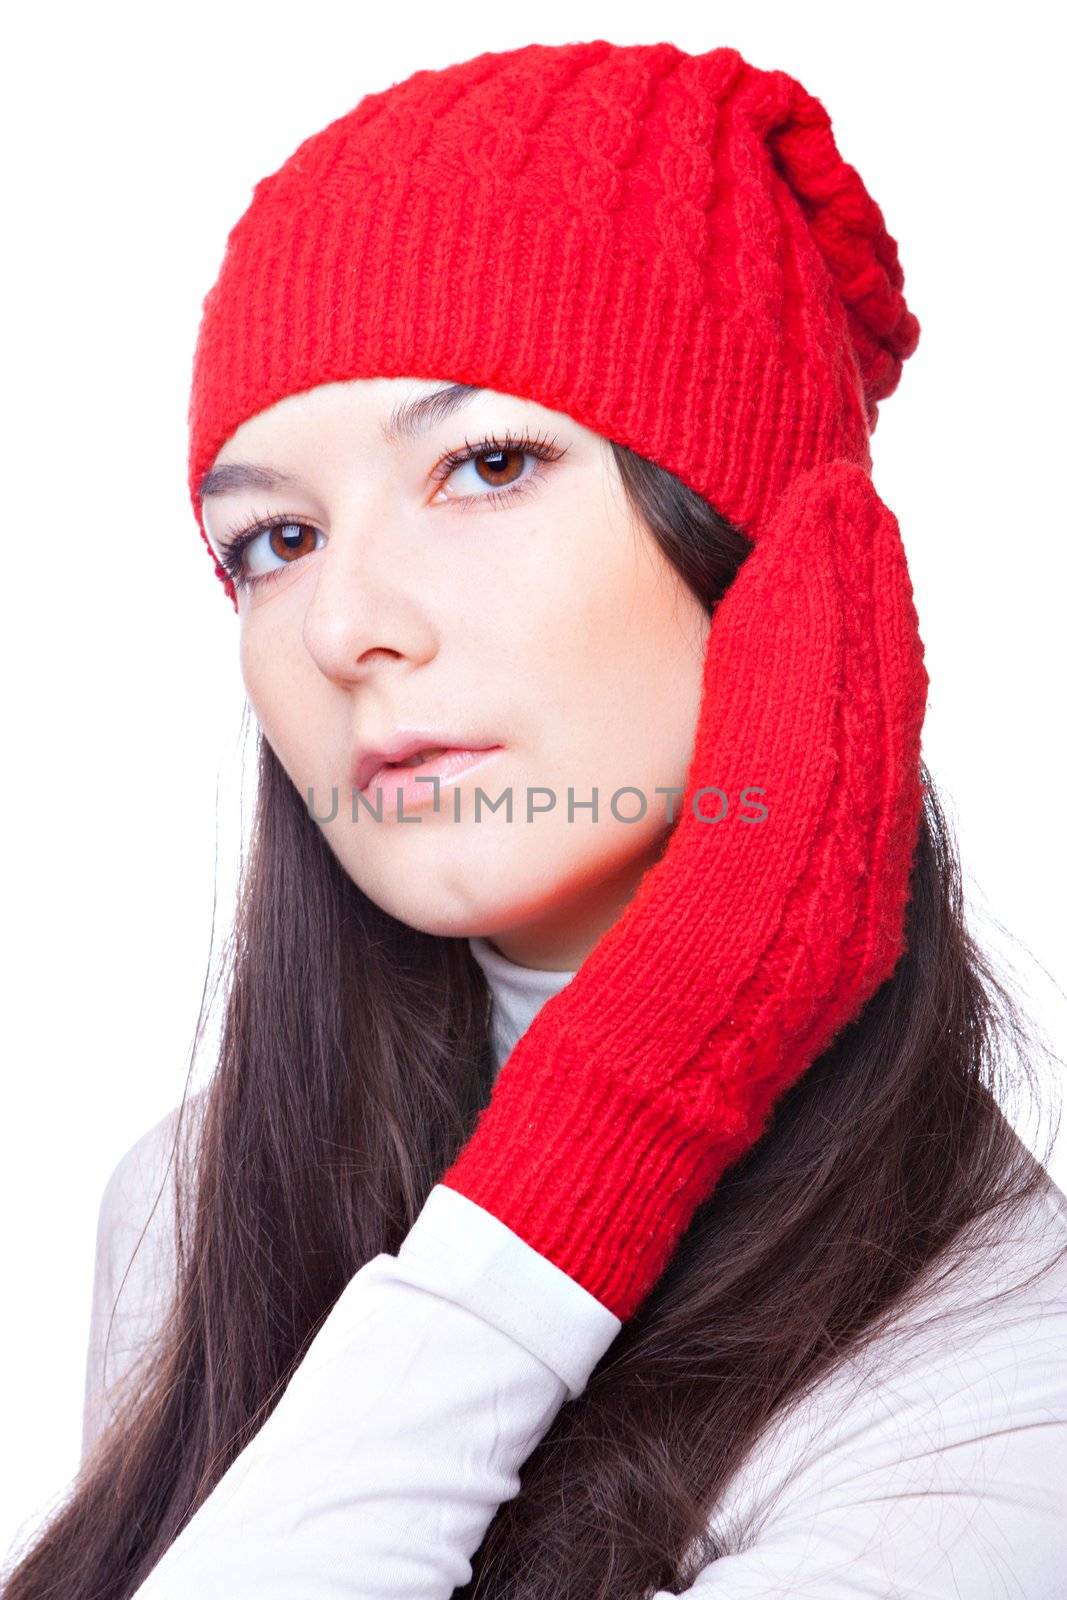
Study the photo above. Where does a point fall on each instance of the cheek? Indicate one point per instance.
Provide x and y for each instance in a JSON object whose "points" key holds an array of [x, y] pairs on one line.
{"points": [[625, 733], [664, 688], [276, 683], [635, 673], [261, 680], [611, 649]]}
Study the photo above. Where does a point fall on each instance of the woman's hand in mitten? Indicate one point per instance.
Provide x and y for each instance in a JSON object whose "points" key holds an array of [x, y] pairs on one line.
{"points": [[750, 944]]}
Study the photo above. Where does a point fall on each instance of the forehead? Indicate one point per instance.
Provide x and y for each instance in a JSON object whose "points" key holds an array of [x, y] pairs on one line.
{"points": [[400, 409]]}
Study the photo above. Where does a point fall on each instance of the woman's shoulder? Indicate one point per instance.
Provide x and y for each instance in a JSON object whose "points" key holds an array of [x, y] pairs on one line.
{"points": [[138, 1198], [955, 1408], [135, 1257], [993, 1307]]}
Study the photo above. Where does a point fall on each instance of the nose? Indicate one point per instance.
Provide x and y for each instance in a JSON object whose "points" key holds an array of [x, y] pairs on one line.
{"points": [[365, 611]]}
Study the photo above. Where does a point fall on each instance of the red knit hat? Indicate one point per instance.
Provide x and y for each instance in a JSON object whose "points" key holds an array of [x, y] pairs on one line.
{"points": [[666, 247]]}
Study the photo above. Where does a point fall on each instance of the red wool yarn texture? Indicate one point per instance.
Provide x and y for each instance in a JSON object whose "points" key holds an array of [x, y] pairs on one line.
{"points": [[670, 249], [666, 247], [749, 945]]}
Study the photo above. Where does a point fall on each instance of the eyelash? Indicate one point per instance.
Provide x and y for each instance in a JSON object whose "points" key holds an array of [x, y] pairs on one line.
{"points": [[540, 446]]}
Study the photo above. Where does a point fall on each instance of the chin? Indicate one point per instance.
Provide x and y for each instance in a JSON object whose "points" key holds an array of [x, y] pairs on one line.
{"points": [[447, 912], [443, 924]]}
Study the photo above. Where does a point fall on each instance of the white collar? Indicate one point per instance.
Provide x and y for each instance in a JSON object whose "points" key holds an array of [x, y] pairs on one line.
{"points": [[518, 994]]}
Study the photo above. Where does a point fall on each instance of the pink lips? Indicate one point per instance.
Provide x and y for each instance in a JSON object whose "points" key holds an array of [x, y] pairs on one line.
{"points": [[406, 742], [399, 784]]}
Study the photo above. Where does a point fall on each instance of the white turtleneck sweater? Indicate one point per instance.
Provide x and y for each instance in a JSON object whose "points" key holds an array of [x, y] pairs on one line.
{"points": [[934, 1464]]}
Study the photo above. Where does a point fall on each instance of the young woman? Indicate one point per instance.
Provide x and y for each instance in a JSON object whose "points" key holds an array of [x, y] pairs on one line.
{"points": [[603, 1189]]}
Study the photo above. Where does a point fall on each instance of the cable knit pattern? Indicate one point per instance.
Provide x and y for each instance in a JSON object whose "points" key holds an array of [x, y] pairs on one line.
{"points": [[746, 948], [850, 231], [670, 249], [667, 247]]}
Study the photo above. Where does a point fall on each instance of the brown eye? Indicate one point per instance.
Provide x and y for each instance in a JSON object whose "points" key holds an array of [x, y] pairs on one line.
{"points": [[501, 467], [291, 539], [256, 554], [505, 466]]}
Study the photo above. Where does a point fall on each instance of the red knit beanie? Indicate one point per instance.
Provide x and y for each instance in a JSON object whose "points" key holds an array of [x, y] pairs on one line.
{"points": [[666, 247]]}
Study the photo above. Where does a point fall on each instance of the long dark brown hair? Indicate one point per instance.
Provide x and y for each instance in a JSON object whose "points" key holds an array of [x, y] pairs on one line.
{"points": [[354, 1058]]}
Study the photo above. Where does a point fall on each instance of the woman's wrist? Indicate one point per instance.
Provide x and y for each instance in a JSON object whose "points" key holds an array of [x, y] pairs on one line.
{"points": [[598, 1175]]}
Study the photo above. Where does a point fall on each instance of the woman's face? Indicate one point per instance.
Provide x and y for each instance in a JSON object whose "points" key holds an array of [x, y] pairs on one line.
{"points": [[509, 601]]}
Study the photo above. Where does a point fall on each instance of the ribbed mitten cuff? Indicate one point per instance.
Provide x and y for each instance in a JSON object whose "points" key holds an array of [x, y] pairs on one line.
{"points": [[596, 1177]]}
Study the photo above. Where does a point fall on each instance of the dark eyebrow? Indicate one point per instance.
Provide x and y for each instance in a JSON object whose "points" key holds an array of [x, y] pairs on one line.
{"points": [[413, 417], [242, 475], [408, 420]]}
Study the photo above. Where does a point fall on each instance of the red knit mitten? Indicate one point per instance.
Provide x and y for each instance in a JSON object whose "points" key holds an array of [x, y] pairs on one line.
{"points": [[750, 944]]}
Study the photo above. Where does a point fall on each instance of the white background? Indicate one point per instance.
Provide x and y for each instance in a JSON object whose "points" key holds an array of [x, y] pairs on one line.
{"points": [[133, 137]]}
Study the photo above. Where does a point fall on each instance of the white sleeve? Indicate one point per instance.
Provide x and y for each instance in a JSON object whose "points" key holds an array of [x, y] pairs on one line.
{"points": [[943, 1475], [941, 1472], [376, 1476], [134, 1269]]}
